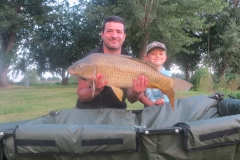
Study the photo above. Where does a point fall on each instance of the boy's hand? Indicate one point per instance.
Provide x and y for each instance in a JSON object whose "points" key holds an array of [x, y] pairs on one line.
{"points": [[159, 101]]}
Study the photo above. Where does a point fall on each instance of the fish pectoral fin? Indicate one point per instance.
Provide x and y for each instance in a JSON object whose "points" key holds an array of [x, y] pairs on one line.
{"points": [[92, 85], [118, 92]]}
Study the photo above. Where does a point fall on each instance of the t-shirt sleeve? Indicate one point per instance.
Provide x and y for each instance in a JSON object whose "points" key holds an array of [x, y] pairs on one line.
{"points": [[149, 95]]}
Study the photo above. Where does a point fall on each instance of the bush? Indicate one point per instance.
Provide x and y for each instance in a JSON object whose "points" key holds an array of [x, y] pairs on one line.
{"points": [[228, 93], [233, 81], [228, 82], [202, 80], [235, 95], [73, 80], [219, 83]]}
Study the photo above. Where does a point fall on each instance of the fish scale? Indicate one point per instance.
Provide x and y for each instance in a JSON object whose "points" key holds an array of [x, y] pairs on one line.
{"points": [[120, 71], [120, 77]]}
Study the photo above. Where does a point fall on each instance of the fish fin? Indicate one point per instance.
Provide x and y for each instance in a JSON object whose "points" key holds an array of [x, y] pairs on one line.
{"points": [[93, 82], [92, 85], [178, 85], [181, 85], [118, 92], [171, 96], [93, 88]]}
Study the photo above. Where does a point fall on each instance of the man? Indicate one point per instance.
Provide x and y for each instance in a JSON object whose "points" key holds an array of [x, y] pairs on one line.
{"points": [[113, 35]]}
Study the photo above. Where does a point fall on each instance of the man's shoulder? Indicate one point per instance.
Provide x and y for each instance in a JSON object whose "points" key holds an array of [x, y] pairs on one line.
{"points": [[125, 52], [96, 50]]}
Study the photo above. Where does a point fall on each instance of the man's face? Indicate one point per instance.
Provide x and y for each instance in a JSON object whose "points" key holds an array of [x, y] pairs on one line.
{"points": [[113, 36]]}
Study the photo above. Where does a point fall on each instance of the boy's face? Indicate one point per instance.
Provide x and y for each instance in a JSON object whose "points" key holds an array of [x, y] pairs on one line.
{"points": [[156, 56]]}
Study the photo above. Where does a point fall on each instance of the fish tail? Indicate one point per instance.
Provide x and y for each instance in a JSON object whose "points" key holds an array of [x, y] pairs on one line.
{"points": [[178, 85], [170, 88], [171, 96], [181, 85]]}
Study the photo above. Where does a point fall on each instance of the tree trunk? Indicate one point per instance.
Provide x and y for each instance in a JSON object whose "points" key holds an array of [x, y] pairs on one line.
{"points": [[208, 47], [3, 77], [7, 47], [187, 72], [236, 2], [64, 78], [64, 81], [143, 46], [221, 72]]}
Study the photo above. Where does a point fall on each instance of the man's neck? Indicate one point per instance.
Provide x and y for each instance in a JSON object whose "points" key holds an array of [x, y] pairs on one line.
{"points": [[111, 51]]}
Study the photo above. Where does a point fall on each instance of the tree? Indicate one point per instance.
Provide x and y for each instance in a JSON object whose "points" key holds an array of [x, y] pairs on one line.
{"points": [[60, 40], [51, 43], [166, 21], [17, 17], [87, 28], [31, 76], [223, 39], [10, 19], [161, 20], [188, 62], [53, 35], [169, 22]]}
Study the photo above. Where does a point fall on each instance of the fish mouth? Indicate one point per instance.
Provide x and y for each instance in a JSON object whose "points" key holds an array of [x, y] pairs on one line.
{"points": [[71, 71]]}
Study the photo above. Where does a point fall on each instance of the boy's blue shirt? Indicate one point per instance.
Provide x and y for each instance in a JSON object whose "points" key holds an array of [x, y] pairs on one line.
{"points": [[153, 93]]}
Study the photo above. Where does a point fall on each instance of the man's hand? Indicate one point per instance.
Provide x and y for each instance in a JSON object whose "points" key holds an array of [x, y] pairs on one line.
{"points": [[99, 83], [86, 92], [139, 85]]}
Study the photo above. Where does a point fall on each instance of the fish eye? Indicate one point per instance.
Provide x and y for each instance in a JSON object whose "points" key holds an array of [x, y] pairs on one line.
{"points": [[79, 66]]}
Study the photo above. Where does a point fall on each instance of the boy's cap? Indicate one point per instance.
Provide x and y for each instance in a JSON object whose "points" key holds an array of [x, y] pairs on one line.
{"points": [[156, 44]]}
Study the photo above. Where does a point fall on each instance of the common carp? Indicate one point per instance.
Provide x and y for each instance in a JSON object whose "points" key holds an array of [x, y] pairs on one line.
{"points": [[120, 70]]}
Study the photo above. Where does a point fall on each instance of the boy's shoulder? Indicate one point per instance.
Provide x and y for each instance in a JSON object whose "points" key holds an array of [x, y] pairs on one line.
{"points": [[166, 72]]}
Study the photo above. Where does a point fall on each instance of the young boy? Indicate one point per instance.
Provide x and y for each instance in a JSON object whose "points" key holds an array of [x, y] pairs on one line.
{"points": [[156, 55]]}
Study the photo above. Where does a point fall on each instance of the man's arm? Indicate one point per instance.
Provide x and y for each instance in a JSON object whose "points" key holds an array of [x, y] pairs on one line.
{"points": [[139, 86]]}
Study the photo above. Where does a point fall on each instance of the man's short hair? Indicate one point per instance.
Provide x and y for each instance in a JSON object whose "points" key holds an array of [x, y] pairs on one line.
{"points": [[113, 19]]}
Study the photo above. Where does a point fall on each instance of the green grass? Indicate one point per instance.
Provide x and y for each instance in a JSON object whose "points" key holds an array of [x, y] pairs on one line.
{"points": [[20, 103], [32, 102]]}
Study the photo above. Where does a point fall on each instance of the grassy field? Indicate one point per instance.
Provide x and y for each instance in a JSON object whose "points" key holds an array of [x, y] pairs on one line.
{"points": [[20, 103]]}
